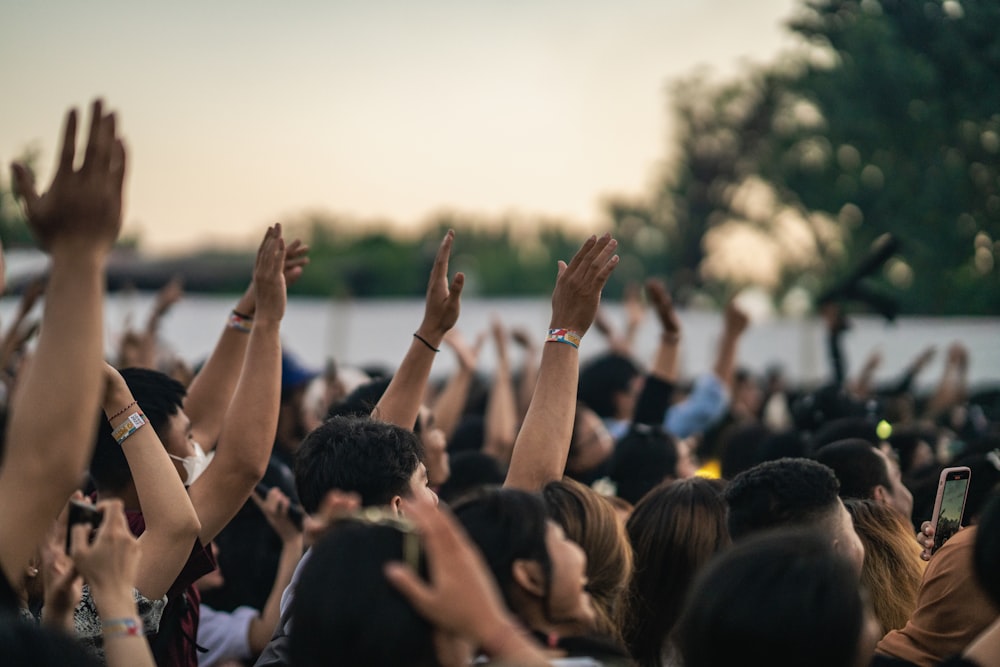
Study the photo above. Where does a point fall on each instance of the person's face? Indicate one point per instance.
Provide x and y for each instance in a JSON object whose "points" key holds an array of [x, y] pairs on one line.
{"points": [[846, 540], [568, 597], [177, 440], [592, 443], [897, 496], [420, 489]]}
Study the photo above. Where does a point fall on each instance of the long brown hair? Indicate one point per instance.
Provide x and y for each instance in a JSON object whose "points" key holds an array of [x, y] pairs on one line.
{"points": [[893, 569], [674, 530], [591, 521]]}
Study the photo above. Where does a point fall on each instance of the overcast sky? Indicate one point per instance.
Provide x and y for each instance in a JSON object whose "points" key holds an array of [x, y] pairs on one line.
{"points": [[240, 113]]}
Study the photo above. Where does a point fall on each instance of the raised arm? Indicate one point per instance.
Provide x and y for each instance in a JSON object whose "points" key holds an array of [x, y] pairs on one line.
{"points": [[251, 418], [171, 522], [50, 429], [450, 403], [542, 444], [501, 408], [657, 391], [734, 323], [212, 389], [400, 403]]}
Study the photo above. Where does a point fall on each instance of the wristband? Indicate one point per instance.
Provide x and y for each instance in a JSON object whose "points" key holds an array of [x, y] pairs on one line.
{"points": [[424, 341], [122, 411], [240, 322], [564, 336], [120, 627], [135, 421]]}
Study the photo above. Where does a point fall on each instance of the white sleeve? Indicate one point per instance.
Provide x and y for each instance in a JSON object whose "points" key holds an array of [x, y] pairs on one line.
{"points": [[226, 635]]}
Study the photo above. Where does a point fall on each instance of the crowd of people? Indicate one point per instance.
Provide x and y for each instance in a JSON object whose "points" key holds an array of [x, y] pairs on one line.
{"points": [[257, 512]]}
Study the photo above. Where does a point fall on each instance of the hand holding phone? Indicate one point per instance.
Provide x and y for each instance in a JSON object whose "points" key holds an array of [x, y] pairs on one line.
{"points": [[949, 506], [82, 512]]}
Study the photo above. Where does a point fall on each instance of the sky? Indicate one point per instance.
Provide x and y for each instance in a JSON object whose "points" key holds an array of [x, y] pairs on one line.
{"points": [[238, 114]]}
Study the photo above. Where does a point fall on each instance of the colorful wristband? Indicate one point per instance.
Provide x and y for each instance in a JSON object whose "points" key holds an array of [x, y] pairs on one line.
{"points": [[240, 322], [120, 627], [134, 422], [564, 336]]}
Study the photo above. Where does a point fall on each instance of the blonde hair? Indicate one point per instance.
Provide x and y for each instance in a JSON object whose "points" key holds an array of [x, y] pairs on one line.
{"points": [[892, 569]]}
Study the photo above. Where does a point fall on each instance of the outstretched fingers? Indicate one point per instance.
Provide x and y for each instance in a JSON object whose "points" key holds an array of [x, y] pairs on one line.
{"points": [[67, 153], [439, 273]]}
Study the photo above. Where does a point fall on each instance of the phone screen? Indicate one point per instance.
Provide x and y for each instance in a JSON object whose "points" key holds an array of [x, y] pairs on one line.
{"points": [[952, 506]]}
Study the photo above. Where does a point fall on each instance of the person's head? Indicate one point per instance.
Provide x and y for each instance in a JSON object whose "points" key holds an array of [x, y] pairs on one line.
{"points": [[859, 428], [590, 445], [470, 471], [380, 462], [865, 471], [986, 553], [674, 531], [609, 385], [913, 447], [361, 401], [645, 457], [784, 598], [160, 398], [591, 521], [29, 644], [793, 493], [346, 612], [540, 572], [892, 569]]}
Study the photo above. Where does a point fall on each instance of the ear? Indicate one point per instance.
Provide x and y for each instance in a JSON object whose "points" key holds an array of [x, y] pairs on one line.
{"points": [[880, 494], [397, 505], [528, 575]]}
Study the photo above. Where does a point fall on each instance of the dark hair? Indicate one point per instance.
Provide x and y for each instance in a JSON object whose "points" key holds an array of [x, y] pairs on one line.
{"points": [[674, 531], [160, 397], [782, 598], [28, 644], [859, 428], [858, 466], [986, 553], [602, 378], [470, 471], [345, 611], [643, 458], [786, 492], [508, 525], [361, 401], [371, 458]]}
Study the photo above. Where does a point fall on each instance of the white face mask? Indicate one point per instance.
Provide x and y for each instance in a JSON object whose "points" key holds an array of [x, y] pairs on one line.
{"points": [[194, 465]]}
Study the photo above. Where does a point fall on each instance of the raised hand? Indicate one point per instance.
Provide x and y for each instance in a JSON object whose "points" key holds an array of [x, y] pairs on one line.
{"points": [[275, 509], [468, 355], [443, 299], [577, 293], [658, 295], [461, 597], [82, 209], [296, 258], [110, 563], [269, 276]]}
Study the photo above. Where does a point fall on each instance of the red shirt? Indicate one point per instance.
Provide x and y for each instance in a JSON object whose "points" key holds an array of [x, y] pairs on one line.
{"points": [[175, 646]]}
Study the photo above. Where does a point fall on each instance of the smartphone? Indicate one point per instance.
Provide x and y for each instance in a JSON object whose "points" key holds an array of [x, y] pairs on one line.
{"points": [[949, 506], [81, 512], [295, 512]]}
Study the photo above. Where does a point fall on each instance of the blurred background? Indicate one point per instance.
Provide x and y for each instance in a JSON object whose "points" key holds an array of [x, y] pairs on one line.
{"points": [[764, 148]]}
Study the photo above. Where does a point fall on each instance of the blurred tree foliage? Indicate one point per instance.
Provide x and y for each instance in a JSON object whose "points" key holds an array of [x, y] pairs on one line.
{"points": [[887, 122], [498, 257]]}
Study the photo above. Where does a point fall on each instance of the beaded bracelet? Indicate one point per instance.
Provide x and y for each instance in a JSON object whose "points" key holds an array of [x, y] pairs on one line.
{"points": [[122, 411], [134, 422], [567, 336], [120, 627], [240, 322]]}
